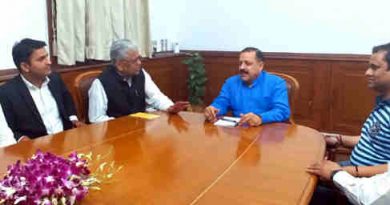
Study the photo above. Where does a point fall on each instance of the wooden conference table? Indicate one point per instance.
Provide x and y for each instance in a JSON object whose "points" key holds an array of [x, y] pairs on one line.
{"points": [[180, 159]]}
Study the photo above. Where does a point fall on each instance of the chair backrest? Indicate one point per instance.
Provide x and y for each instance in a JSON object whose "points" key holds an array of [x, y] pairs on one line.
{"points": [[82, 83], [293, 90]]}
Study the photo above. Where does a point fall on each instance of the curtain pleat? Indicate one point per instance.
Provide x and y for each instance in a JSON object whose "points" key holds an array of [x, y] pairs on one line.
{"points": [[86, 28], [70, 31]]}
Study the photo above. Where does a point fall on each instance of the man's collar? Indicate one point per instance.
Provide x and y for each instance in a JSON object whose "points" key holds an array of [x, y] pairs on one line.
{"points": [[121, 77], [32, 86], [118, 75], [379, 101]]}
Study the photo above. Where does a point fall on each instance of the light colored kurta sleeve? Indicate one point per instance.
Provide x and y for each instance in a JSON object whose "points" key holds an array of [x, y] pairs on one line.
{"points": [[6, 135], [374, 190], [154, 97], [97, 109]]}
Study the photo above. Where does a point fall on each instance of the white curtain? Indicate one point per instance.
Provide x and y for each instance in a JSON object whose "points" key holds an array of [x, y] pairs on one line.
{"points": [[86, 28], [71, 33]]}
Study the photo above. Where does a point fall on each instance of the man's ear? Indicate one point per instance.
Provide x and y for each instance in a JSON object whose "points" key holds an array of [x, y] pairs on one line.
{"points": [[261, 65], [119, 65], [25, 67]]}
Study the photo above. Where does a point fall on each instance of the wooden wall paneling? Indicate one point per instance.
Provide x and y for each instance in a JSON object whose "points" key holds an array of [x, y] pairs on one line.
{"points": [[7, 74], [352, 99], [170, 75], [311, 102], [322, 94], [218, 69]]}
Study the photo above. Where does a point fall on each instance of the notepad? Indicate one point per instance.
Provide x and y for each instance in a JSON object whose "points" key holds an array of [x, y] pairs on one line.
{"points": [[227, 122], [144, 115]]}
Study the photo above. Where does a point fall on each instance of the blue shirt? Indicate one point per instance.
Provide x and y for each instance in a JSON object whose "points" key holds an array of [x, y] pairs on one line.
{"points": [[373, 147], [267, 97]]}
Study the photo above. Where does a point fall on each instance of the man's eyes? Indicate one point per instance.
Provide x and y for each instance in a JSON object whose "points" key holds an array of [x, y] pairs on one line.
{"points": [[246, 63], [374, 67]]}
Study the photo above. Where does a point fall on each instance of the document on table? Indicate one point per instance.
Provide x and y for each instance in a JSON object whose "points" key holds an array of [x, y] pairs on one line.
{"points": [[227, 121], [144, 115]]}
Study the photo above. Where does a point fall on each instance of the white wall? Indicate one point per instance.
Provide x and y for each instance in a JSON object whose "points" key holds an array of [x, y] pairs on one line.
{"points": [[20, 19], [164, 18], [313, 26]]}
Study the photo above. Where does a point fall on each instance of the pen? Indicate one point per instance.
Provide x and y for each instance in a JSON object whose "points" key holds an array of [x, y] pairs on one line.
{"points": [[229, 120]]}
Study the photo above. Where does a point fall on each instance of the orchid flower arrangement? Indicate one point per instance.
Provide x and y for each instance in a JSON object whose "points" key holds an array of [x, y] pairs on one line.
{"points": [[48, 179]]}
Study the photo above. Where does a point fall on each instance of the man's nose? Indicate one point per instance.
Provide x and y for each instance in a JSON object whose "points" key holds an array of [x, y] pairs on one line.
{"points": [[369, 72], [241, 66]]}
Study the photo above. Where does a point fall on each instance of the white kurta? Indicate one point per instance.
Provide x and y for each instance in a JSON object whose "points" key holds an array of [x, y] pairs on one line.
{"points": [[98, 101]]}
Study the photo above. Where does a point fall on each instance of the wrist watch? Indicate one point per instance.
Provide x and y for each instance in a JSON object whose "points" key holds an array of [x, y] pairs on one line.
{"points": [[334, 172]]}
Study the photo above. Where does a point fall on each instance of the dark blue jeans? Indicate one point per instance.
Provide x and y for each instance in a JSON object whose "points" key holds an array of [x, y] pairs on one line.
{"points": [[345, 163]]}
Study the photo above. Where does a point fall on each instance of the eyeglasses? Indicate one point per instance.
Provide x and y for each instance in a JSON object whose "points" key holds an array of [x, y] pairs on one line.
{"points": [[133, 61]]}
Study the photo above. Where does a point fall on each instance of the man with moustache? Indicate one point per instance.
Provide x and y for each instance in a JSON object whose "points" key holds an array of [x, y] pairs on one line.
{"points": [[371, 149], [125, 88], [36, 102], [254, 95]]}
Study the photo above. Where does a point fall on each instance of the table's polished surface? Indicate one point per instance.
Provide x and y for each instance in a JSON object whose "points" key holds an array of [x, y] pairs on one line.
{"points": [[180, 159]]}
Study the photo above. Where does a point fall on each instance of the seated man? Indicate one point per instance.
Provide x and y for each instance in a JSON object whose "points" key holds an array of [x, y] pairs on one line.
{"points": [[371, 150], [254, 95], [372, 190], [36, 102], [125, 88], [6, 135]]}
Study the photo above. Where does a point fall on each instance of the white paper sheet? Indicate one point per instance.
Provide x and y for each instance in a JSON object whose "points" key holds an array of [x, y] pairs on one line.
{"points": [[227, 122]]}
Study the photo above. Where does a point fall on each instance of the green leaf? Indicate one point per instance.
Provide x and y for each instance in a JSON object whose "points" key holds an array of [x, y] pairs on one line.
{"points": [[197, 78]]}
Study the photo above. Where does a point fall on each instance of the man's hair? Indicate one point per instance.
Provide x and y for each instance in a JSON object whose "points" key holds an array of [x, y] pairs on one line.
{"points": [[119, 49], [22, 50], [259, 54], [386, 48]]}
